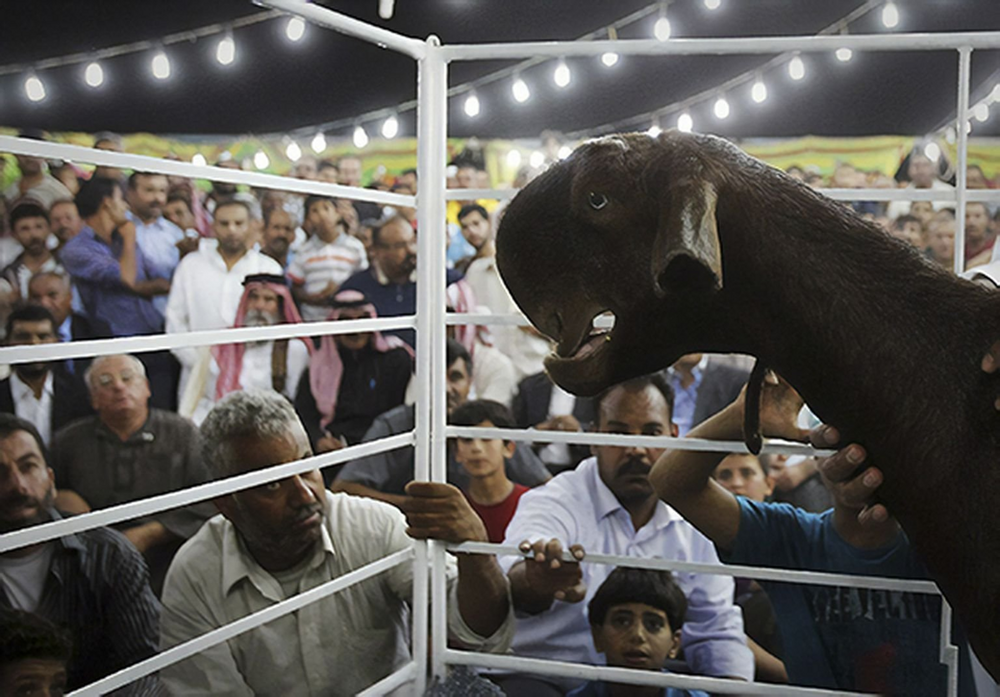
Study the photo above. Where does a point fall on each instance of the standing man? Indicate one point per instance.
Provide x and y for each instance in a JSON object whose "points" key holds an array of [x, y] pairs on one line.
{"points": [[208, 283], [702, 387], [35, 182], [65, 220], [349, 170], [29, 224], [156, 236], [279, 235]]}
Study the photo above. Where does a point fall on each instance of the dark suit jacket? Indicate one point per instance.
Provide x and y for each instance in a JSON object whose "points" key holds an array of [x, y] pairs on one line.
{"points": [[82, 328], [70, 400], [720, 385], [531, 407]]}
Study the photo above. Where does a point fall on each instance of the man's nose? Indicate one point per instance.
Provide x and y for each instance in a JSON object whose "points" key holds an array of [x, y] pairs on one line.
{"points": [[302, 494]]}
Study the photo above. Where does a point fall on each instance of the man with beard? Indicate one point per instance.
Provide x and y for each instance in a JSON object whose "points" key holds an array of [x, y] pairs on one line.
{"points": [[288, 536], [208, 284], [608, 506], [279, 235], [44, 394], [29, 224], [35, 182], [92, 583], [65, 220], [128, 452], [269, 365], [156, 236]]}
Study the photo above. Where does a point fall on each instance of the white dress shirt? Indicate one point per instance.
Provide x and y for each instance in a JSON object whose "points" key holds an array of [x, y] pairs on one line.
{"points": [[337, 646], [576, 507], [36, 410]]}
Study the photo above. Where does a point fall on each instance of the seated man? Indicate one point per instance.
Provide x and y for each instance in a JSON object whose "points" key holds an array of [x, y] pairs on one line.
{"points": [[384, 476], [836, 638], [283, 538], [607, 505], [543, 405], [130, 451], [53, 291], [635, 618], [33, 655], [270, 364], [93, 583]]}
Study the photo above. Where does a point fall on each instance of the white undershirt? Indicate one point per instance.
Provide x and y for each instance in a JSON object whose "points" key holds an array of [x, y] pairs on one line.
{"points": [[560, 404], [35, 411], [23, 578]]}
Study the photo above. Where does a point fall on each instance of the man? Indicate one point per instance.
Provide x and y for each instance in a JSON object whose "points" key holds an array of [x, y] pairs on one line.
{"points": [[326, 171], [941, 240], [608, 505], [384, 476], [29, 224], [65, 220], [43, 394], [701, 388], [110, 142], [93, 583], [980, 236], [33, 655], [390, 283], [835, 638], [208, 283], [269, 365], [305, 168], [158, 238], [922, 175], [128, 452], [283, 538], [349, 170], [325, 261], [466, 177], [35, 182], [975, 178], [52, 290], [543, 405], [179, 209], [279, 235]]}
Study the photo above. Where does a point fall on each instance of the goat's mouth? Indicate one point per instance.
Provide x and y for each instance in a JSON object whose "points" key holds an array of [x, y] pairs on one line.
{"points": [[579, 363]]}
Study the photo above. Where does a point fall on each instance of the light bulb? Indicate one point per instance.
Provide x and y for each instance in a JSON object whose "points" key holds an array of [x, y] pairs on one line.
{"points": [[225, 52], [514, 158], [390, 127], [161, 66], [933, 151], [472, 105], [713, 4], [759, 91], [721, 108], [537, 159], [293, 151], [561, 75], [844, 54], [199, 160], [520, 90], [890, 15], [295, 28], [685, 124], [318, 143], [609, 58], [261, 160], [93, 75], [360, 137], [661, 30], [981, 112], [564, 152], [796, 68], [654, 131], [34, 88]]}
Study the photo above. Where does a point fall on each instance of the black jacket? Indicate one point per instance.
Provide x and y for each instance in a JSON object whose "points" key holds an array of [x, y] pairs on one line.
{"points": [[531, 407], [70, 399]]}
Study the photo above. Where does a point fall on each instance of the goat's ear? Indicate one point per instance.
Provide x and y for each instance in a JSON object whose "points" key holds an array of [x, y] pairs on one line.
{"points": [[686, 254]]}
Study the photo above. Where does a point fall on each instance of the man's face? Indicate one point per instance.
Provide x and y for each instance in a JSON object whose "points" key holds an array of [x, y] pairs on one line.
{"points": [[330, 175], [743, 475], [305, 168], [323, 219], [409, 180], [921, 171], [103, 171], [923, 210], [65, 220], [31, 333], [29, 166], [280, 522], [148, 197], [279, 233], [482, 457], [354, 342], [118, 388], [263, 308], [32, 233], [975, 179], [636, 635], [942, 240], [349, 171], [636, 412], [396, 250], [27, 484], [53, 294], [977, 222], [466, 178], [459, 382], [178, 213], [232, 229], [33, 677], [475, 229], [912, 232]]}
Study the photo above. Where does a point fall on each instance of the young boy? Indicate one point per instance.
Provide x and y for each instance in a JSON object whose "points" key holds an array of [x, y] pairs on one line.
{"points": [[635, 619], [325, 260], [492, 495], [33, 655]]}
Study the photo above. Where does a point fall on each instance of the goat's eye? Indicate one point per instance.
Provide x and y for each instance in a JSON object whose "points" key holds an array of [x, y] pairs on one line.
{"points": [[597, 201]]}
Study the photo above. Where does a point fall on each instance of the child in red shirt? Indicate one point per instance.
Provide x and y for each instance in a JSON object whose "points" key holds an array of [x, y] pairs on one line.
{"points": [[492, 495]]}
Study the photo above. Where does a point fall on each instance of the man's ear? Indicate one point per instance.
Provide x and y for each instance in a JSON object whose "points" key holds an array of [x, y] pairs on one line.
{"points": [[509, 447], [674, 429], [686, 254]]}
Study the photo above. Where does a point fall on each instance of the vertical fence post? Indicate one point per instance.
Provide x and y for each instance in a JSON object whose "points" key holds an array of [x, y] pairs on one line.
{"points": [[964, 66], [431, 412]]}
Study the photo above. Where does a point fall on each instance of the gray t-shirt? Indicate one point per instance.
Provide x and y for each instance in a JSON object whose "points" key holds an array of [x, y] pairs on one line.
{"points": [[23, 578]]}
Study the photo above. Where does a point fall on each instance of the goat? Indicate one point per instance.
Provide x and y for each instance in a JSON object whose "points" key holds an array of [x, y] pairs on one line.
{"points": [[696, 246]]}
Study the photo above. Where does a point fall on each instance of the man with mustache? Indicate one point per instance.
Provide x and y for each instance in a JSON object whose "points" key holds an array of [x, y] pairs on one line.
{"points": [[94, 583], [607, 505], [279, 539], [156, 236]]}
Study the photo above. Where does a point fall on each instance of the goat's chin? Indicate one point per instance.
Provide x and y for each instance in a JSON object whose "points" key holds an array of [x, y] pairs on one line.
{"points": [[584, 377]]}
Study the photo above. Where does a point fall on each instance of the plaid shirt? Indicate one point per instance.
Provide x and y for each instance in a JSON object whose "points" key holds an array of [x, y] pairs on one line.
{"points": [[97, 588]]}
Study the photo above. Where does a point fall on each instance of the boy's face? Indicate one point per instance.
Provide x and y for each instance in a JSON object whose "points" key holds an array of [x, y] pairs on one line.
{"points": [[323, 218], [39, 677], [636, 635], [482, 457]]}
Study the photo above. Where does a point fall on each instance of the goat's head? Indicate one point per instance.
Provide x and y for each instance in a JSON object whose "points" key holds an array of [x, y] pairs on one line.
{"points": [[626, 224]]}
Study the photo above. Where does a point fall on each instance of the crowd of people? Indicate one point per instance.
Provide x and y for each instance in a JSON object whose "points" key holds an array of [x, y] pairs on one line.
{"points": [[115, 254]]}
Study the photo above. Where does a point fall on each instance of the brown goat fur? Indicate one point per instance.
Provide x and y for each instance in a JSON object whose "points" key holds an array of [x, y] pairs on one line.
{"points": [[696, 246]]}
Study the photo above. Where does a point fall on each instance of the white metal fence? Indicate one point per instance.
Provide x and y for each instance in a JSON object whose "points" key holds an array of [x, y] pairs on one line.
{"points": [[430, 321]]}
